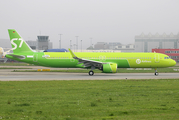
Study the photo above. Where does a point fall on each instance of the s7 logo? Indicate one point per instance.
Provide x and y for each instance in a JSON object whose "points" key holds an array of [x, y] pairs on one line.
{"points": [[15, 44]]}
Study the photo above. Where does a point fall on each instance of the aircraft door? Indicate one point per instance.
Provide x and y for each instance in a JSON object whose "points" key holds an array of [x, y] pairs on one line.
{"points": [[35, 57], [157, 59]]}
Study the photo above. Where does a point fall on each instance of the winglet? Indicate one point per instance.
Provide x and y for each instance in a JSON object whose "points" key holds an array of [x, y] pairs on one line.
{"points": [[72, 54]]}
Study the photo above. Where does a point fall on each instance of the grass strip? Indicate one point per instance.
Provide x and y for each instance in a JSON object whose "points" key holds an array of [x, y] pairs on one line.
{"points": [[89, 100]]}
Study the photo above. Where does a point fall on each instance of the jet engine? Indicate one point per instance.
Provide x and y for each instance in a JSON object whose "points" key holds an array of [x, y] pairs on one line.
{"points": [[2, 53], [109, 68]]}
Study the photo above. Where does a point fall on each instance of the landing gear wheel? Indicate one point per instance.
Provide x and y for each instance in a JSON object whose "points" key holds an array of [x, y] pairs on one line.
{"points": [[156, 73], [91, 73]]}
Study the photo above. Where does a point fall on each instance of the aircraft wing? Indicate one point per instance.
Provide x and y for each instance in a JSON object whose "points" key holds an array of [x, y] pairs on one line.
{"points": [[86, 62], [17, 56]]}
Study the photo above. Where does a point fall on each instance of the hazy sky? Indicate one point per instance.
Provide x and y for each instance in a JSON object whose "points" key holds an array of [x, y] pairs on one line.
{"points": [[102, 20]]}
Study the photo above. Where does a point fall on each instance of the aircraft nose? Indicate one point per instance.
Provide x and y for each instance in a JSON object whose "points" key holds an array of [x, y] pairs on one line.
{"points": [[172, 62]]}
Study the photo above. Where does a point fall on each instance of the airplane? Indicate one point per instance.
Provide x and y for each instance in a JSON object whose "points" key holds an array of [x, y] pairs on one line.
{"points": [[107, 62]]}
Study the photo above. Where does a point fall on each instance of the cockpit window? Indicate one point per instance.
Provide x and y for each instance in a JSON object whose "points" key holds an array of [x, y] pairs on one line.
{"points": [[166, 58]]}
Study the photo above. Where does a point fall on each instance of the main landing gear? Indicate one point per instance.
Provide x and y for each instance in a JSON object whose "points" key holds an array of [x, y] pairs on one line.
{"points": [[156, 73], [91, 73]]}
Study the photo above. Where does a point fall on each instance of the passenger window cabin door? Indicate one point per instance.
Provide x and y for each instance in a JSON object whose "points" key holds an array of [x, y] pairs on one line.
{"points": [[157, 60], [35, 58]]}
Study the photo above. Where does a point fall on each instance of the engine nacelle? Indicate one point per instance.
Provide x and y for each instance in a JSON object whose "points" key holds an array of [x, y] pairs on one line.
{"points": [[109, 68], [2, 52]]}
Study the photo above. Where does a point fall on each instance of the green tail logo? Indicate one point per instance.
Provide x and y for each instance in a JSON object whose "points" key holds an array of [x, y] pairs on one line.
{"points": [[18, 44]]}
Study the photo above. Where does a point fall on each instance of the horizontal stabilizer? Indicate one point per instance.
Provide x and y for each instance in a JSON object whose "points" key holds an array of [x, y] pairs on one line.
{"points": [[17, 56]]}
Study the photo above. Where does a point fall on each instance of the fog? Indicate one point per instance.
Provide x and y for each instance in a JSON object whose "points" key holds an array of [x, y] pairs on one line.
{"points": [[101, 20]]}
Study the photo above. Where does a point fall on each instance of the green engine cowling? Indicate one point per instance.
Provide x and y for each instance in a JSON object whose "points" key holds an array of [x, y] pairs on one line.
{"points": [[110, 68]]}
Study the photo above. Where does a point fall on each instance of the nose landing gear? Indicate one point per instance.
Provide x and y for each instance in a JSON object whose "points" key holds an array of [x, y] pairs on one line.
{"points": [[156, 73]]}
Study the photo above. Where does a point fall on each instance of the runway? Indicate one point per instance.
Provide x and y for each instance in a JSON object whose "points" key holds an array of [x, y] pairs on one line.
{"points": [[7, 75]]}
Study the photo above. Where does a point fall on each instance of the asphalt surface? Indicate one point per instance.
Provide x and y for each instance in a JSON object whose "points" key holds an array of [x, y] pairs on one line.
{"points": [[8, 75]]}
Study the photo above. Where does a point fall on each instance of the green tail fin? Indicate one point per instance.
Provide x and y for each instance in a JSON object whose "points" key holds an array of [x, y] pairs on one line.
{"points": [[18, 44]]}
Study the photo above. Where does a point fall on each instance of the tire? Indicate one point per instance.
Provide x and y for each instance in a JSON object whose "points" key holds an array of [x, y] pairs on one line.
{"points": [[156, 73], [91, 73]]}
